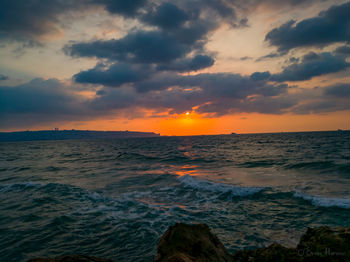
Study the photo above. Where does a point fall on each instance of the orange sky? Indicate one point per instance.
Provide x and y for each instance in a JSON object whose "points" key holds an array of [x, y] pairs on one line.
{"points": [[183, 125]]}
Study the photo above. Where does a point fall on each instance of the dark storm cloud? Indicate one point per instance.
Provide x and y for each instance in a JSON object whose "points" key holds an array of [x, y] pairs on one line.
{"points": [[328, 27], [45, 101], [115, 75], [323, 99], [188, 64], [339, 90], [257, 76], [30, 19], [166, 16], [214, 85], [37, 96], [223, 92], [3, 77], [170, 47], [139, 47], [27, 21], [126, 8], [312, 65], [39, 101], [343, 50], [322, 105]]}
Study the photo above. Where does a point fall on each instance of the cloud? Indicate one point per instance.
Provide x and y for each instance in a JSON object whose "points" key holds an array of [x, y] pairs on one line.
{"points": [[49, 101], [139, 47], [323, 99], [257, 76], [244, 58], [330, 26], [122, 7], [166, 16], [339, 90], [343, 50], [188, 64], [217, 94], [312, 65], [3, 77], [176, 44], [31, 19], [115, 75], [45, 101], [37, 95], [39, 101]]}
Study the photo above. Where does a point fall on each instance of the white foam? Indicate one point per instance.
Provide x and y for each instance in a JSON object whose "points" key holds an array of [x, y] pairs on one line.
{"points": [[206, 185], [324, 201]]}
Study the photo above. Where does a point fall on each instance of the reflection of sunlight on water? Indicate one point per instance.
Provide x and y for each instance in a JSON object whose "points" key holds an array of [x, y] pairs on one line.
{"points": [[191, 170]]}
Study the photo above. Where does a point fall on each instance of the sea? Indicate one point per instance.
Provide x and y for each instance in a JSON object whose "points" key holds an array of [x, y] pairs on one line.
{"points": [[115, 198]]}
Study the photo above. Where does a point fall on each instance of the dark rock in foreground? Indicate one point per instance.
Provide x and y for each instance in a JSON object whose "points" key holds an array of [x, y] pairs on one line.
{"points": [[196, 243], [319, 244], [183, 242]]}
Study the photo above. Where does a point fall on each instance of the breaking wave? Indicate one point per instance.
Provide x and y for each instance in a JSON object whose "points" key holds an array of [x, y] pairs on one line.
{"points": [[324, 201], [189, 181]]}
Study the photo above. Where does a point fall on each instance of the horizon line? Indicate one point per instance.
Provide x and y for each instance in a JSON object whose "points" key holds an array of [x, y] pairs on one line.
{"points": [[214, 134]]}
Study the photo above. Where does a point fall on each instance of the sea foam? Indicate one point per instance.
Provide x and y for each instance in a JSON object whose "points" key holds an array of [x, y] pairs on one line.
{"points": [[324, 201], [206, 185]]}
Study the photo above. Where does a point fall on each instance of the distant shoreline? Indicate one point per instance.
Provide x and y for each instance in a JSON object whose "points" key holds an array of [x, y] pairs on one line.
{"points": [[70, 134], [50, 135]]}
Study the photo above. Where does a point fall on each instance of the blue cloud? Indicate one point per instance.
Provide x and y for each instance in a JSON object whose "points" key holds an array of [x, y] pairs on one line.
{"points": [[115, 75], [188, 64], [339, 90], [343, 50], [166, 16], [127, 8], [3, 77], [139, 47], [258, 76], [312, 65], [328, 27]]}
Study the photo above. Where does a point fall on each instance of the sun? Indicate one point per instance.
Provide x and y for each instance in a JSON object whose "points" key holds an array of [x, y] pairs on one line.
{"points": [[187, 113]]}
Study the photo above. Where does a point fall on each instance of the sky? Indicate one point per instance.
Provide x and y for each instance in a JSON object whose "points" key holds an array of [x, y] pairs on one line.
{"points": [[180, 67]]}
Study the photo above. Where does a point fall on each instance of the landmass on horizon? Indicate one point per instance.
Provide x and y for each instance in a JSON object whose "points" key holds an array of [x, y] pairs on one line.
{"points": [[57, 134], [72, 134]]}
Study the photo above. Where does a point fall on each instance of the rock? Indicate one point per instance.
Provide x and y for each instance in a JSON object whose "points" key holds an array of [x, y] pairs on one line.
{"points": [[186, 243], [272, 253], [196, 243], [321, 244], [189, 243], [325, 244], [71, 258]]}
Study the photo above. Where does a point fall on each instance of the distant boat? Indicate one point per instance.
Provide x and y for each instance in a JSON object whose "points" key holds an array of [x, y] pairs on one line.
{"points": [[339, 130], [233, 134]]}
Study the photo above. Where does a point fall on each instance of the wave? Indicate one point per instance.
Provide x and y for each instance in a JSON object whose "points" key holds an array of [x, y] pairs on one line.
{"points": [[189, 181], [318, 165], [18, 186], [324, 201]]}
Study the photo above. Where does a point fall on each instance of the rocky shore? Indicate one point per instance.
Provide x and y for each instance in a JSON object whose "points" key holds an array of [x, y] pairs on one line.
{"points": [[196, 243]]}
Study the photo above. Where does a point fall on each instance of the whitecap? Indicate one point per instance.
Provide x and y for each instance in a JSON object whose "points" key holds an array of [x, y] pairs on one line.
{"points": [[206, 185], [323, 201]]}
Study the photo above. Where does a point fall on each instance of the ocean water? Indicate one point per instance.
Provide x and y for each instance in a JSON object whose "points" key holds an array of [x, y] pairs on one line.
{"points": [[115, 198]]}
